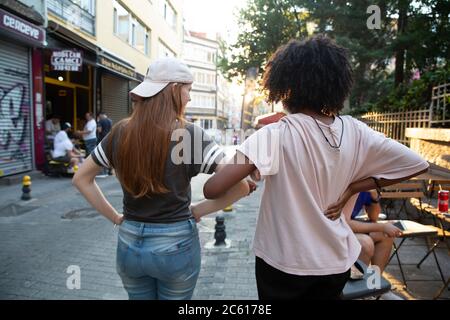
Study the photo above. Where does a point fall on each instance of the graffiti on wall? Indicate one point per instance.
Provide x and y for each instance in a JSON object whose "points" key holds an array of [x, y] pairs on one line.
{"points": [[14, 113]]}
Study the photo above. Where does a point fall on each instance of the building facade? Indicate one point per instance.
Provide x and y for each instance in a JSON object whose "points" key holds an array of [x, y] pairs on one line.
{"points": [[209, 103], [119, 40], [22, 37], [69, 57]]}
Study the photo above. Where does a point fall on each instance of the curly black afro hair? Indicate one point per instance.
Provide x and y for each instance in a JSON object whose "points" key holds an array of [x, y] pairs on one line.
{"points": [[313, 74]]}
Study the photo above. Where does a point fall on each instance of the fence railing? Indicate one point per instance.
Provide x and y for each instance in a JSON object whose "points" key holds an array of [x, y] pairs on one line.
{"points": [[394, 125], [440, 105]]}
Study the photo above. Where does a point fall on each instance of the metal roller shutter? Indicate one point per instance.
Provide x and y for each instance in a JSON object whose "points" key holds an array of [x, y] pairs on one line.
{"points": [[114, 97], [15, 110]]}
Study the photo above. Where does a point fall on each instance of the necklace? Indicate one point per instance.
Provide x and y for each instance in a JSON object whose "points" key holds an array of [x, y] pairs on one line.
{"points": [[342, 133]]}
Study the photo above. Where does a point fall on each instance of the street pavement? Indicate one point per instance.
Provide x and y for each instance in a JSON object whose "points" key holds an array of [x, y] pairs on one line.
{"points": [[40, 248]]}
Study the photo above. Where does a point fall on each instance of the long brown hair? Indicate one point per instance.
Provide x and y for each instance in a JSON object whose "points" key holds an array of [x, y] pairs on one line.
{"points": [[143, 141]]}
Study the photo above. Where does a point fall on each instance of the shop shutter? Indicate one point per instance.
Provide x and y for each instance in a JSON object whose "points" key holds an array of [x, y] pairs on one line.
{"points": [[114, 97], [15, 109]]}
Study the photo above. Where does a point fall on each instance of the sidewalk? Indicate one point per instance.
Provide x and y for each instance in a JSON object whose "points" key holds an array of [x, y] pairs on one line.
{"points": [[229, 273], [37, 247]]}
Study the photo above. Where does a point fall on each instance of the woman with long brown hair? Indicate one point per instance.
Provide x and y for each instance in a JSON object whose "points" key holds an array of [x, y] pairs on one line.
{"points": [[155, 153]]}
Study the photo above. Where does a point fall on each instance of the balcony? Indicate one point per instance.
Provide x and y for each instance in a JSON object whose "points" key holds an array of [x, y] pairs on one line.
{"points": [[73, 14]]}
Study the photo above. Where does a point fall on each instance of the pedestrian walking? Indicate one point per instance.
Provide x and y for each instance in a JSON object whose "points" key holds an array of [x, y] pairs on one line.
{"points": [[104, 125], [155, 153], [89, 133]]}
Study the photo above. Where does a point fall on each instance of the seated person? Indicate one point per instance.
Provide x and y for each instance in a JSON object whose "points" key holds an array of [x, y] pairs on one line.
{"points": [[367, 201], [376, 239], [52, 127], [63, 149]]}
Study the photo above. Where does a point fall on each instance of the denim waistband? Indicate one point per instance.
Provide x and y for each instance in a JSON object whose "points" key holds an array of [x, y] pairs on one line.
{"points": [[139, 227]]}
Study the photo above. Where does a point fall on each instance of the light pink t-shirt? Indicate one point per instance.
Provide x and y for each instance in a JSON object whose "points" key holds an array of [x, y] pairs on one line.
{"points": [[304, 175]]}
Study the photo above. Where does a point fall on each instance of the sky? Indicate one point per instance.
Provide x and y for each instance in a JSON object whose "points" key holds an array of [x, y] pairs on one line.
{"points": [[212, 16]]}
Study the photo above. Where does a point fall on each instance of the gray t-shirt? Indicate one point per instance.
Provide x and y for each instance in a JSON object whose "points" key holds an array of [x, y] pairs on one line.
{"points": [[195, 153]]}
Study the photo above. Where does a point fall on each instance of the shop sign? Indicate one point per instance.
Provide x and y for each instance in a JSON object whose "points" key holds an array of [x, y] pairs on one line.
{"points": [[66, 60], [21, 27], [116, 67]]}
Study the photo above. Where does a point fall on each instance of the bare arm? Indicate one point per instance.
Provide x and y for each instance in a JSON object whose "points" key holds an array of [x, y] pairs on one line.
{"points": [[236, 192], [373, 210], [369, 183], [84, 181], [228, 176], [364, 227], [363, 185], [74, 154], [367, 227]]}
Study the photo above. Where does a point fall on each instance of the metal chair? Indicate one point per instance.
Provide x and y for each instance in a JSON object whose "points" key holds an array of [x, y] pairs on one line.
{"points": [[404, 192], [358, 289], [443, 235], [436, 185]]}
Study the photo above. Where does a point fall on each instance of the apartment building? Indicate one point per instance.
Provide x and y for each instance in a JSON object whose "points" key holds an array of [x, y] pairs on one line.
{"points": [[69, 57], [209, 103]]}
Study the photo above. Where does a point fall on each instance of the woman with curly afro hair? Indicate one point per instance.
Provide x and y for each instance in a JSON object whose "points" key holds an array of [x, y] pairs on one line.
{"points": [[314, 162]]}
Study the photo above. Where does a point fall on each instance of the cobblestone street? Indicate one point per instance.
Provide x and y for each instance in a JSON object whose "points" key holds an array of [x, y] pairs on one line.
{"points": [[37, 247], [61, 230]]}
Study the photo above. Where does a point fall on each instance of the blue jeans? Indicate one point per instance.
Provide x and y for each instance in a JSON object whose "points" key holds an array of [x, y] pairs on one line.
{"points": [[158, 261], [90, 145]]}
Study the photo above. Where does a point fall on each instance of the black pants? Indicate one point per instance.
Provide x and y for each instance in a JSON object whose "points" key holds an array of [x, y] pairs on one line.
{"points": [[274, 284]]}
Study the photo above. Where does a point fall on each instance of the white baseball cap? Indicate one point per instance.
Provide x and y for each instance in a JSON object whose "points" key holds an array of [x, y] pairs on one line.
{"points": [[160, 73]]}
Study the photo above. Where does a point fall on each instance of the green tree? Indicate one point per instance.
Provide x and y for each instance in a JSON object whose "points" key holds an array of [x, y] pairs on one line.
{"points": [[415, 33], [264, 25]]}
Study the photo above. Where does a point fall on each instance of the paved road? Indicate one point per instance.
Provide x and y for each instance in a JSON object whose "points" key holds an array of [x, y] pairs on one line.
{"points": [[38, 247]]}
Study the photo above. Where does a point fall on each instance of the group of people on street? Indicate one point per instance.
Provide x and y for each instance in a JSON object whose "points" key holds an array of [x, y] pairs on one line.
{"points": [[314, 163], [60, 138]]}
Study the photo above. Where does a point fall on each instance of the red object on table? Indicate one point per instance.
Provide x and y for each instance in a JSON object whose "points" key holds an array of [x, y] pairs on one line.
{"points": [[443, 200]]}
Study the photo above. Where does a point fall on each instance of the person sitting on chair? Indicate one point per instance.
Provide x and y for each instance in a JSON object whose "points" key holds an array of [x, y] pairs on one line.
{"points": [[63, 149], [376, 239], [367, 202], [52, 127]]}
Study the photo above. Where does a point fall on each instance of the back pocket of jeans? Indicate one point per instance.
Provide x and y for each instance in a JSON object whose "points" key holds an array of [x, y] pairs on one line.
{"points": [[177, 261], [177, 247]]}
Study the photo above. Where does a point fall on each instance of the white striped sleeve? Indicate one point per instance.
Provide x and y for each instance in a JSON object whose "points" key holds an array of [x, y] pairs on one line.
{"points": [[214, 154], [99, 156], [205, 152]]}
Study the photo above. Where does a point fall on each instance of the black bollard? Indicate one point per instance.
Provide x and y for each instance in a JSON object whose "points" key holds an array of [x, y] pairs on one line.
{"points": [[220, 234]]}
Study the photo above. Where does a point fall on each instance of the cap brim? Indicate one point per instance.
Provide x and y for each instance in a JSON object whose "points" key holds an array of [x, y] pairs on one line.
{"points": [[148, 89]]}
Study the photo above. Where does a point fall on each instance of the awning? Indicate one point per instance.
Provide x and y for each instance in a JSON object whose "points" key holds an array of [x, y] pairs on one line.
{"points": [[117, 65]]}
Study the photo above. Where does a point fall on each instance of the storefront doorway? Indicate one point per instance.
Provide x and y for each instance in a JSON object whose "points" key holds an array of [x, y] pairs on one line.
{"points": [[60, 102], [69, 94]]}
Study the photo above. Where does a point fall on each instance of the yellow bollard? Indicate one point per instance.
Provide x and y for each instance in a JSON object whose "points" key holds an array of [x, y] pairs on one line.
{"points": [[228, 209], [26, 183]]}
